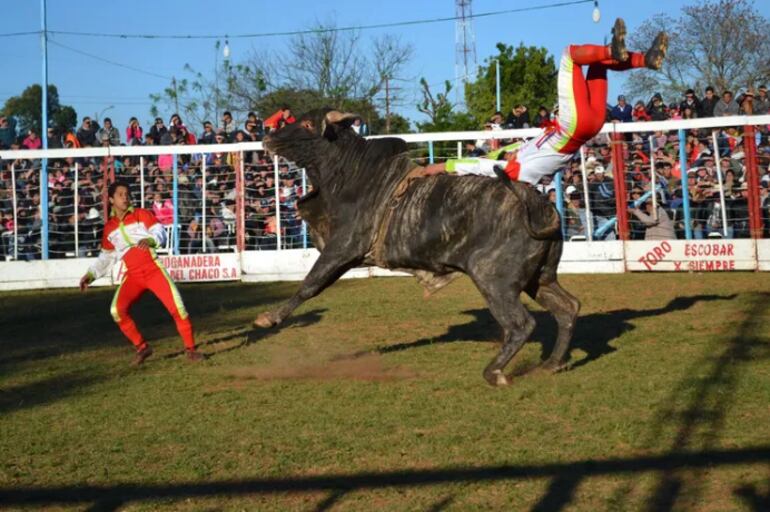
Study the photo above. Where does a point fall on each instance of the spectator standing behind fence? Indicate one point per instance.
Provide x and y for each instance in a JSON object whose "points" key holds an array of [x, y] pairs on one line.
{"points": [[32, 141], [656, 109], [7, 131], [254, 126], [518, 118], [228, 125], [87, 132], [726, 106], [109, 133], [708, 103], [208, 136], [660, 229], [761, 101], [622, 111], [690, 101], [602, 199], [640, 112], [158, 130], [360, 127], [133, 132]]}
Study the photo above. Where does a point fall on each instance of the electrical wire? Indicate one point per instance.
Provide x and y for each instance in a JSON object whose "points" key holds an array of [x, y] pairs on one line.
{"points": [[312, 31], [107, 61]]}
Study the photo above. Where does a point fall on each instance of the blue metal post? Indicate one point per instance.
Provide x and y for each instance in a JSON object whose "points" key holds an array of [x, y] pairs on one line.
{"points": [[560, 201], [497, 83], [430, 151], [44, 133], [175, 199], [304, 224], [685, 191]]}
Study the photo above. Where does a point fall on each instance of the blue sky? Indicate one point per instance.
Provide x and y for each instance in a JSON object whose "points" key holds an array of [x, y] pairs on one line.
{"points": [[91, 86]]}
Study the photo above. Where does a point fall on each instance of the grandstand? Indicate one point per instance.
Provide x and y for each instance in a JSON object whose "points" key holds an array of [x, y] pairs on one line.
{"points": [[232, 198]]}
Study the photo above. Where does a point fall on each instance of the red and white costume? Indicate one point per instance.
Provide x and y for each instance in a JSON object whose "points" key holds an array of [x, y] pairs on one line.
{"points": [[582, 111], [143, 272]]}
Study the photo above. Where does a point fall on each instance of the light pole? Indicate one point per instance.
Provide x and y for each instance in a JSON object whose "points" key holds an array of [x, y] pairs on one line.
{"points": [[101, 114], [44, 133], [497, 84]]}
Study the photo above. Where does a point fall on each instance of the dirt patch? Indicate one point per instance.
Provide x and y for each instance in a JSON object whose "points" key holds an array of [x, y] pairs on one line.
{"points": [[368, 368]]}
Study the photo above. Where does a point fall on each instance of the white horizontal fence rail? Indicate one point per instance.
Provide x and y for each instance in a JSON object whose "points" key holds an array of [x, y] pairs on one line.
{"points": [[144, 154]]}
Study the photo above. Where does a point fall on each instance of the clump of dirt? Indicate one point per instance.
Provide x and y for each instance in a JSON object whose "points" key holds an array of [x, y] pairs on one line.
{"points": [[369, 368]]}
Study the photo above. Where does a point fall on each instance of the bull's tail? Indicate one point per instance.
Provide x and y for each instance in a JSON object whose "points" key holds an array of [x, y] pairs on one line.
{"points": [[554, 224]]}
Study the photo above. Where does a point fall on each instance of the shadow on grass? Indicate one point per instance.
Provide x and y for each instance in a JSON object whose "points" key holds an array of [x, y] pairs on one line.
{"points": [[28, 339], [562, 475], [249, 336], [593, 332], [43, 391], [698, 421]]}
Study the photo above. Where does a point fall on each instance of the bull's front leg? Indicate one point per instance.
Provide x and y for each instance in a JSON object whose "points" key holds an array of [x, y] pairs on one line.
{"points": [[327, 269]]}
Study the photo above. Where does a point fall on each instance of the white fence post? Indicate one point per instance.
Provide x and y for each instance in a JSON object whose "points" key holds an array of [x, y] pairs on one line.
{"points": [[653, 179], [718, 162], [77, 210], [587, 208], [277, 203], [15, 214], [203, 198], [141, 181]]}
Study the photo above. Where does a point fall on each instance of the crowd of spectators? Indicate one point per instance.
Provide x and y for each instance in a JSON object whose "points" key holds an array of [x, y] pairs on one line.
{"points": [[215, 228], [212, 230]]}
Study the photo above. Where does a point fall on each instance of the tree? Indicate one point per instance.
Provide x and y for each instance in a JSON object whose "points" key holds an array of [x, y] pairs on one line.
{"points": [[527, 76], [722, 43], [326, 67], [440, 111], [26, 108]]}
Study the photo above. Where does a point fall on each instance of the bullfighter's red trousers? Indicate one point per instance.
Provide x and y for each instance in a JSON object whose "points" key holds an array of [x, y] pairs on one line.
{"points": [[153, 277]]}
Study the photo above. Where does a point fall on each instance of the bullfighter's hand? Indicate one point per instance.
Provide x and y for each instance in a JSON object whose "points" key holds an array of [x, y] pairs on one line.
{"points": [[144, 244]]}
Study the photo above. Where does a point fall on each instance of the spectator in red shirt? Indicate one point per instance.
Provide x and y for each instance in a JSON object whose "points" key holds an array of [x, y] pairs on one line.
{"points": [[640, 113], [280, 118]]}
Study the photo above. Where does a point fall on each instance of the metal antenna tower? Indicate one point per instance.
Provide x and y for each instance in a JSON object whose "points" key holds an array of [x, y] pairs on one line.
{"points": [[465, 48]]}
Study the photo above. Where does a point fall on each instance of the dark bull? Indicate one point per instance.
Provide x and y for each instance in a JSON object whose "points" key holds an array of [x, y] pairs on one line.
{"points": [[370, 207]]}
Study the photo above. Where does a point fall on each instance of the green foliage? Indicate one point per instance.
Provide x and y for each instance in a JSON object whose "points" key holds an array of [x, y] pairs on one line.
{"points": [[442, 116], [27, 106], [527, 76]]}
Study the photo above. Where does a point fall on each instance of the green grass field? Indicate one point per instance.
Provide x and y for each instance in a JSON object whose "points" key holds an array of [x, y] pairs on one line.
{"points": [[372, 398]]}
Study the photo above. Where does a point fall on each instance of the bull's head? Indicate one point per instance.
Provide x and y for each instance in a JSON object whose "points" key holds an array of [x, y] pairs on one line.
{"points": [[308, 142]]}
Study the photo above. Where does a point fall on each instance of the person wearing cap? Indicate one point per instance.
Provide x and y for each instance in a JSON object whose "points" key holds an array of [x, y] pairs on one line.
{"points": [[622, 111], [726, 106], [574, 214]]}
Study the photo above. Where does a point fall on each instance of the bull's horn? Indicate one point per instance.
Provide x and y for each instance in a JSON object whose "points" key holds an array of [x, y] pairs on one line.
{"points": [[335, 116]]}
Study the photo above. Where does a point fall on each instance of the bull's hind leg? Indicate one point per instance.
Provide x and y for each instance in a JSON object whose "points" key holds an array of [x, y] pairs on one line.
{"points": [[504, 304], [564, 307]]}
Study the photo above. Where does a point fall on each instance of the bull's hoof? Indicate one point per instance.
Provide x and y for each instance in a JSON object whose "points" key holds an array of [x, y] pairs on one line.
{"points": [[265, 320], [496, 378], [554, 366]]}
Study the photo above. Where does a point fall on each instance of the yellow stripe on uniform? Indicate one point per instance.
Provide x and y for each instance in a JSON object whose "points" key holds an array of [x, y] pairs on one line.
{"points": [[566, 59], [114, 305], [174, 292]]}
